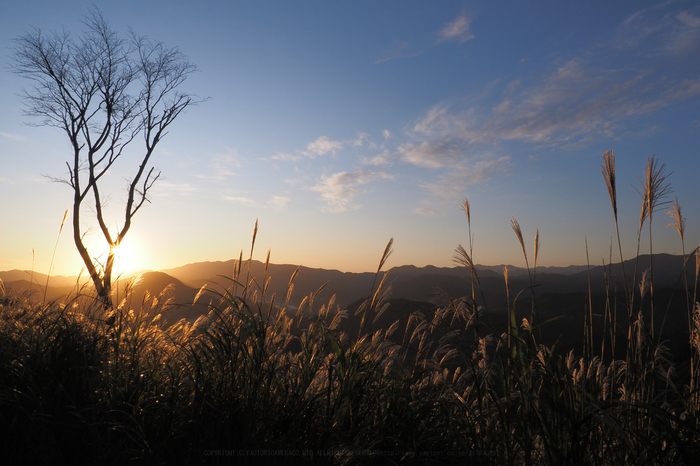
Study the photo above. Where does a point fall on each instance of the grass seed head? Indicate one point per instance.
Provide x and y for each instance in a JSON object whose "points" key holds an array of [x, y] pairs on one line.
{"points": [[465, 207], [677, 218], [387, 252], [644, 284], [608, 169], [255, 233], [461, 257], [518, 232], [654, 187]]}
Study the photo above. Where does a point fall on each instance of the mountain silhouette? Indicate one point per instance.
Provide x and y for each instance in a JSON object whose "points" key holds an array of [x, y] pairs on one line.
{"points": [[561, 292]]}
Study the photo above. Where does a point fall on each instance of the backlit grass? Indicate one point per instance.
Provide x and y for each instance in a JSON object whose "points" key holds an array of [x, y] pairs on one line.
{"points": [[255, 381]]}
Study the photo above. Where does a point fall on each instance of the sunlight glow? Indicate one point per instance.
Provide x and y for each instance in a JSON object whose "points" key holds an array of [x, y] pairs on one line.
{"points": [[127, 258]]}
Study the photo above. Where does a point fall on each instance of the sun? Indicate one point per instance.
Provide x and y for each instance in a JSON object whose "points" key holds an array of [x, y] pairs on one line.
{"points": [[127, 258]]}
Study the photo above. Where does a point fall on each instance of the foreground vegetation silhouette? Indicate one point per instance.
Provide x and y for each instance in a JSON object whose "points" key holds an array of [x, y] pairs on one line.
{"points": [[257, 381]]}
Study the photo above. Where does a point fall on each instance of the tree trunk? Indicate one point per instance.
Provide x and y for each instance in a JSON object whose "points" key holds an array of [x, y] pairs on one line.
{"points": [[103, 285], [107, 280]]}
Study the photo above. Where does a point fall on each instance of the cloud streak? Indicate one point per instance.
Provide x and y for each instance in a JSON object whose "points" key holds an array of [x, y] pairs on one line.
{"points": [[165, 188], [322, 146], [454, 31], [380, 160], [572, 104], [658, 30], [449, 188], [430, 155], [224, 164], [339, 189], [13, 137], [221, 166], [244, 201], [285, 157], [648, 64], [457, 30], [278, 202]]}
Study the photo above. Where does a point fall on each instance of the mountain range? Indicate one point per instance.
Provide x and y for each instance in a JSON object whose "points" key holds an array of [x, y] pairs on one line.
{"points": [[559, 290], [408, 282], [561, 294]]}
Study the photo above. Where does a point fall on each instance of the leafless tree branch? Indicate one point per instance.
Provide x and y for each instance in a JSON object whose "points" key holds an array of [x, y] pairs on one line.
{"points": [[103, 90]]}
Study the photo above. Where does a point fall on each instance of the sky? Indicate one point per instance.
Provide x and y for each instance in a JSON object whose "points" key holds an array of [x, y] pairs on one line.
{"points": [[339, 125]]}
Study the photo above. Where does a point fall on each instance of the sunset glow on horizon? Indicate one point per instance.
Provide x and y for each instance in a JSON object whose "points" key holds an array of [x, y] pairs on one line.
{"points": [[338, 126]]}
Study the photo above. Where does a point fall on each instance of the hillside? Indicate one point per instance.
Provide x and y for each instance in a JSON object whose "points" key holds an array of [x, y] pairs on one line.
{"points": [[560, 291]]}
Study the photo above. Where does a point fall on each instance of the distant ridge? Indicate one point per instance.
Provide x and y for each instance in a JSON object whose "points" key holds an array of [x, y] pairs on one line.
{"points": [[408, 281], [37, 278]]}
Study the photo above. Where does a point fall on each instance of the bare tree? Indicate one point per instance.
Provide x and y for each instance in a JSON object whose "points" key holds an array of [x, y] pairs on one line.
{"points": [[105, 92]]}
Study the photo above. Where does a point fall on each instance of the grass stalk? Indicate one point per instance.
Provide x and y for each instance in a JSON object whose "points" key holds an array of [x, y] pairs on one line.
{"points": [[609, 174], [678, 222], [370, 305], [46, 287], [533, 307], [654, 188], [588, 333]]}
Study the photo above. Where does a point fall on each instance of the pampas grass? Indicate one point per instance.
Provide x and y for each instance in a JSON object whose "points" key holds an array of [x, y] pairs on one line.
{"points": [[253, 375], [654, 189]]}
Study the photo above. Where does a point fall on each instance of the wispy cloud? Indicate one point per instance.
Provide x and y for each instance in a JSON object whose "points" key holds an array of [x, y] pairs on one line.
{"points": [[295, 181], [649, 63], [224, 164], [278, 202], [166, 188], [221, 166], [285, 157], [572, 104], [449, 188], [457, 30], [322, 146], [381, 160], [398, 50], [11, 136], [660, 29], [424, 211], [339, 189], [430, 155], [442, 120], [360, 140], [318, 148], [244, 201], [689, 19]]}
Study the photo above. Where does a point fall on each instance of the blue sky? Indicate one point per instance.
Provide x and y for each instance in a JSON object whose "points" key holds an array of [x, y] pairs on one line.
{"points": [[341, 124]]}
